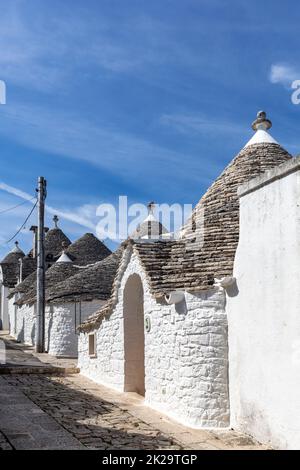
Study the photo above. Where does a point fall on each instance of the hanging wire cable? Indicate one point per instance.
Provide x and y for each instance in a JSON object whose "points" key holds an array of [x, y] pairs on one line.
{"points": [[18, 205], [24, 223]]}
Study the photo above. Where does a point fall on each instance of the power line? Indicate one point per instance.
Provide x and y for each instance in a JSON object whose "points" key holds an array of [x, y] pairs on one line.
{"points": [[18, 205], [25, 221]]}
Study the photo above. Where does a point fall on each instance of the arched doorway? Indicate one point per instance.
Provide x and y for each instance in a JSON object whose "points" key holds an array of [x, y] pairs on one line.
{"points": [[134, 337]]}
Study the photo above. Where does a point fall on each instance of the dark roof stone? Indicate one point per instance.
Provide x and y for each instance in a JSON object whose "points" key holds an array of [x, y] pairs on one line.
{"points": [[87, 249], [93, 282], [207, 248]]}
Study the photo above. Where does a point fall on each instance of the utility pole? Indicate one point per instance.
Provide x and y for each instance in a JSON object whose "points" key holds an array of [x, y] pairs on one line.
{"points": [[40, 276]]}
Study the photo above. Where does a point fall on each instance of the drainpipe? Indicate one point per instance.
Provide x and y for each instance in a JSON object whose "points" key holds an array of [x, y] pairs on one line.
{"points": [[175, 297]]}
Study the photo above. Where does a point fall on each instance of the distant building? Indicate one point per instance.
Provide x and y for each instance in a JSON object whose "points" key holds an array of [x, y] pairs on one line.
{"points": [[63, 260], [9, 277]]}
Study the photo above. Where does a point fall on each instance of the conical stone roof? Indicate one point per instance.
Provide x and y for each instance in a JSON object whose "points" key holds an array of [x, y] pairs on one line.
{"points": [[10, 266], [55, 274], [14, 255], [150, 228], [207, 248], [86, 250], [93, 282], [54, 240]]}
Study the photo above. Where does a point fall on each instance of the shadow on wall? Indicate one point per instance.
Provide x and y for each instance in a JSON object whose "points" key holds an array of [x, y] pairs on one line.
{"points": [[181, 307], [32, 336], [95, 422], [232, 290], [50, 323], [21, 334]]}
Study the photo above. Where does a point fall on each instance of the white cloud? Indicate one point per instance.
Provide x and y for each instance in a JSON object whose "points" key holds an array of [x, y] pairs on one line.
{"points": [[283, 74], [80, 216], [125, 155]]}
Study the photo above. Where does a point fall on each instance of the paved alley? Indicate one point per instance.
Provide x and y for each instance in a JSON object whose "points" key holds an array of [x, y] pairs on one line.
{"points": [[58, 412]]}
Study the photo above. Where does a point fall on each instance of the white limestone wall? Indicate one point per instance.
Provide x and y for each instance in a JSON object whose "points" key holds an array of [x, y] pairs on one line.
{"points": [[108, 365], [264, 316], [12, 316], [20, 324], [29, 312], [61, 321], [4, 308], [185, 355]]}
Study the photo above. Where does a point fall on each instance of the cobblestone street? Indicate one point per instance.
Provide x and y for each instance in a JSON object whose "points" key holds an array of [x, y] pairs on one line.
{"points": [[73, 412]]}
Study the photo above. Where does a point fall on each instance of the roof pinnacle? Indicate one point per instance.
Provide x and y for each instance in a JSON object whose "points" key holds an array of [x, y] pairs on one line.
{"points": [[151, 208], [261, 122], [55, 220]]}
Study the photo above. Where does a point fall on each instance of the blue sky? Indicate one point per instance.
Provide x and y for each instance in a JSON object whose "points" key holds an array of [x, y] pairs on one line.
{"points": [[138, 98]]}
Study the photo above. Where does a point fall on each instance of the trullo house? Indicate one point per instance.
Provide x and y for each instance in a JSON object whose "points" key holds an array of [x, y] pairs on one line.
{"points": [[163, 332]]}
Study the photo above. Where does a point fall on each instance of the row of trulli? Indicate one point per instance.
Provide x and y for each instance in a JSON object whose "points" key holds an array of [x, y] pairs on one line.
{"points": [[161, 325], [63, 260], [163, 331], [78, 281]]}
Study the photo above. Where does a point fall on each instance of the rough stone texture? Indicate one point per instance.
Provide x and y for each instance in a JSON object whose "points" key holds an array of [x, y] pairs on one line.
{"points": [[23, 286], [25, 426], [94, 282], [263, 311], [61, 321], [185, 354], [99, 418], [61, 336], [87, 249], [12, 316], [210, 237], [9, 267], [55, 274], [54, 240], [209, 240], [23, 359], [4, 312]]}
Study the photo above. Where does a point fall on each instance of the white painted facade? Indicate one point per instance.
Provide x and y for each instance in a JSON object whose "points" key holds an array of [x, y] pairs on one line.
{"points": [[4, 320], [61, 321], [263, 315], [185, 354]]}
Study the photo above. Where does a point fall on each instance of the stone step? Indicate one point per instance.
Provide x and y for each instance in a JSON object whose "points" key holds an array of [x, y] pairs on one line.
{"points": [[13, 370]]}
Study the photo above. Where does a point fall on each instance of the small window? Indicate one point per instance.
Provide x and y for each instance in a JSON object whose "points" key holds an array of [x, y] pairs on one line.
{"points": [[92, 345]]}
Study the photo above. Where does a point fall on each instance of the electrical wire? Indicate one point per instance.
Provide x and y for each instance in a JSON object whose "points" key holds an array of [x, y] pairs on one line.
{"points": [[24, 223], [18, 205]]}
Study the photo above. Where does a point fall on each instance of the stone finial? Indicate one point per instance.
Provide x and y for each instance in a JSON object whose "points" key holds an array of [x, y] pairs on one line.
{"points": [[55, 220], [151, 208], [261, 122], [16, 249]]}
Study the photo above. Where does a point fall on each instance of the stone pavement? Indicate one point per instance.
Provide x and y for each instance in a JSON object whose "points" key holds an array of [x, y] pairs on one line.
{"points": [[69, 411], [21, 358], [26, 426]]}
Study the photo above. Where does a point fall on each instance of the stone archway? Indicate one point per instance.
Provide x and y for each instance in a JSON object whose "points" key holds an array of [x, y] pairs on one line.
{"points": [[134, 336]]}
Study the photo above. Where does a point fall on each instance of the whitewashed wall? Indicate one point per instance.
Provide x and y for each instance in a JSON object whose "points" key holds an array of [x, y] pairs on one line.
{"points": [[22, 321], [61, 337], [264, 317], [185, 355], [4, 308], [12, 316]]}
